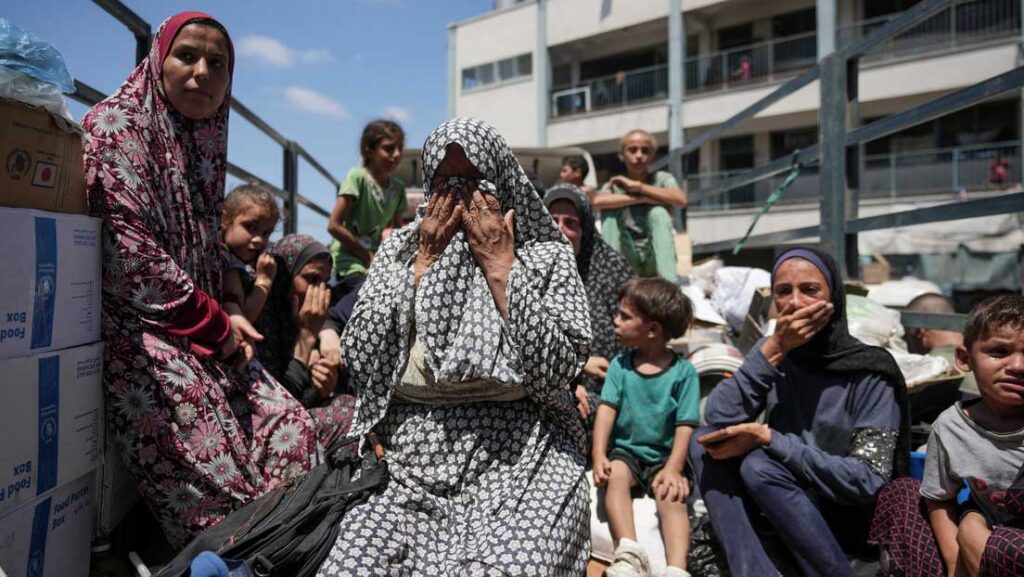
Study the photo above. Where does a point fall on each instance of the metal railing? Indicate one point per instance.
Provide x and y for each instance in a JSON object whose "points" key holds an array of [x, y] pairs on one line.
{"points": [[840, 138], [292, 150], [743, 66], [952, 171], [964, 22], [618, 90], [751, 64]]}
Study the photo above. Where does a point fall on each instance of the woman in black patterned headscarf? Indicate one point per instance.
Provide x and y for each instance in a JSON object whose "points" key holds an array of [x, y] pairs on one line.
{"points": [[292, 319], [470, 327], [603, 270]]}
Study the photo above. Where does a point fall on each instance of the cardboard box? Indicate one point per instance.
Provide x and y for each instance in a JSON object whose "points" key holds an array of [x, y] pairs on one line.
{"points": [[876, 272], [50, 421], [42, 160], [50, 284], [755, 325], [684, 253], [49, 537]]}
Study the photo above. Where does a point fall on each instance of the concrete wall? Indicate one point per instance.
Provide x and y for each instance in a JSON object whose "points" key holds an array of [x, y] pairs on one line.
{"points": [[504, 34], [511, 107]]}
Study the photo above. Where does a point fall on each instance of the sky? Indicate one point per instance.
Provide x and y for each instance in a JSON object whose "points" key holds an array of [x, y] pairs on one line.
{"points": [[316, 71]]}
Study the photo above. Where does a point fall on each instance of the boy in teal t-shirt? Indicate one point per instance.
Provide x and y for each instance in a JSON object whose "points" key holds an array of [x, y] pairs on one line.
{"points": [[650, 405]]}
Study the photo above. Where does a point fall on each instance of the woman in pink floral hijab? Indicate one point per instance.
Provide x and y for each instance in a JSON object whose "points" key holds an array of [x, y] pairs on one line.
{"points": [[201, 429]]}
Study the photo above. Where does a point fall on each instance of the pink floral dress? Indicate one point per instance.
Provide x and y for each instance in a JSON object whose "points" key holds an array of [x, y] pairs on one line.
{"points": [[199, 437]]}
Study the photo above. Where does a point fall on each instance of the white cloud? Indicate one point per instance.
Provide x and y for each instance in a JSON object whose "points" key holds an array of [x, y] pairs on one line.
{"points": [[316, 56], [397, 113], [275, 53], [314, 102]]}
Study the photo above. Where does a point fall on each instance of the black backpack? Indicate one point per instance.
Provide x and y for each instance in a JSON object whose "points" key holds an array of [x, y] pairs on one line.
{"points": [[290, 530]]}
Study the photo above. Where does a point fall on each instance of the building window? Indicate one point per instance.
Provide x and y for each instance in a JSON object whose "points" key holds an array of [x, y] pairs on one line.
{"points": [[500, 71]]}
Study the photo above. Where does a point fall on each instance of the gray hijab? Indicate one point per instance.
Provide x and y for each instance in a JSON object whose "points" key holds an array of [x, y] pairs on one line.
{"points": [[545, 341]]}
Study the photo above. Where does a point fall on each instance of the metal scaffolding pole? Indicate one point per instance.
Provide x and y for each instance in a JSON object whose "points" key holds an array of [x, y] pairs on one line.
{"points": [[832, 146], [676, 87], [826, 14], [542, 71], [291, 186]]}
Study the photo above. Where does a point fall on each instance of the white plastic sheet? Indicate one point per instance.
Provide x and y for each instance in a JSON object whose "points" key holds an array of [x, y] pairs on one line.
{"points": [[734, 291]]}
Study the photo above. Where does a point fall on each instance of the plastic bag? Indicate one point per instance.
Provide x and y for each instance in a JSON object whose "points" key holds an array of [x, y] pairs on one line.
{"points": [[24, 52], [873, 323], [702, 275], [734, 291], [703, 310], [917, 369], [23, 88]]}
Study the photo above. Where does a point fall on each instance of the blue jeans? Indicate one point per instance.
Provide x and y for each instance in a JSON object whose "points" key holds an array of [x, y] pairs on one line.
{"points": [[736, 493]]}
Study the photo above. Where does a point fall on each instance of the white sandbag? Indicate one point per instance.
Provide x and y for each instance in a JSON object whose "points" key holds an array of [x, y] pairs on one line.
{"points": [[734, 290]]}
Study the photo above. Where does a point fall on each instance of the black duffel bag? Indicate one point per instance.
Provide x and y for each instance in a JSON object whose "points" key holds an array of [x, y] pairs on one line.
{"points": [[290, 530]]}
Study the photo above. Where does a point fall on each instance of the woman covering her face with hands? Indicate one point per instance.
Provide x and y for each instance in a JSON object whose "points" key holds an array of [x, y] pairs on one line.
{"points": [[835, 431], [468, 331], [291, 322]]}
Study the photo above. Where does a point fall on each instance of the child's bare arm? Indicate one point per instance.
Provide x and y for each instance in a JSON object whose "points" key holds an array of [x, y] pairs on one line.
{"points": [[234, 295], [680, 448], [942, 516], [603, 423], [330, 344], [649, 193], [603, 429], [670, 483], [665, 196], [336, 227], [609, 201], [266, 268]]}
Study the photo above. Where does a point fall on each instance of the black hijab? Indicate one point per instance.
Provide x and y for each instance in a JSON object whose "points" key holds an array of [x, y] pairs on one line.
{"points": [[835, 350], [585, 209], [275, 323]]}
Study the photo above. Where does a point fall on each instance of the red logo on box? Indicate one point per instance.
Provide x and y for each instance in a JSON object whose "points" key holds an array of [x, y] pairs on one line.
{"points": [[45, 175]]}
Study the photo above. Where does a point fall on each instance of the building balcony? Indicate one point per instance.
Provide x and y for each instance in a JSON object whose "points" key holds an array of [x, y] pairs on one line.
{"points": [[964, 23], [967, 23], [896, 176]]}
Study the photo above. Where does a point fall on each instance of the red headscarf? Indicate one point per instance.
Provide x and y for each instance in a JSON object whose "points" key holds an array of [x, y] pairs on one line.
{"points": [[157, 180]]}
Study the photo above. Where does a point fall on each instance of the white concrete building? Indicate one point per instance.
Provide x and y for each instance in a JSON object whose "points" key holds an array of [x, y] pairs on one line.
{"points": [[600, 67]]}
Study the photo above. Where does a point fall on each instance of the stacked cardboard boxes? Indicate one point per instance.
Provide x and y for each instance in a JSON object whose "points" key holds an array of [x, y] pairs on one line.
{"points": [[51, 360]]}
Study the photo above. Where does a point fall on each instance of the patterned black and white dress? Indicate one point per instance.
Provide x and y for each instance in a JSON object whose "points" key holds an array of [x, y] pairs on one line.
{"points": [[475, 488]]}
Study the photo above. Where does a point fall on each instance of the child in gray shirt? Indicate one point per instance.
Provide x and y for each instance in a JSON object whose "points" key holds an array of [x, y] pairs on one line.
{"points": [[981, 442], [960, 449]]}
